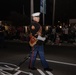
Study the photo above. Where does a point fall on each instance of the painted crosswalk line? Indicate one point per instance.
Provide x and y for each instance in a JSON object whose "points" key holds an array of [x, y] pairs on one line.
{"points": [[41, 72], [11, 69], [49, 73]]}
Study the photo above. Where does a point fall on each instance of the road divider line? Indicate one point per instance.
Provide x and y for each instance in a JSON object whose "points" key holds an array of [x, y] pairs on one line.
{"points": [[59, 62]]}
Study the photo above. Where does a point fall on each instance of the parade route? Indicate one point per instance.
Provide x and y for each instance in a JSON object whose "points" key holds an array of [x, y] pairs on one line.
{"points": [[62, 62]]}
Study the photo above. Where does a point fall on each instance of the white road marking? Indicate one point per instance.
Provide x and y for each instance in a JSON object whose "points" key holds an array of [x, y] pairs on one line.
{"points": [[4, 68], [8, 64], [49, 73], [17, 73], [41, 72], [11, 67], [4, 73], [26, 72], [59, 62]]}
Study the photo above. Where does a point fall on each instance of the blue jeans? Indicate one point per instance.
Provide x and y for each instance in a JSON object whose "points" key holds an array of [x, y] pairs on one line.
{"points": [[40, 51]]}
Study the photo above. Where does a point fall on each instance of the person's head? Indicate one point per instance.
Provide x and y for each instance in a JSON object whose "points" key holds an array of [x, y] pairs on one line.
{"points": [[36, 16]]}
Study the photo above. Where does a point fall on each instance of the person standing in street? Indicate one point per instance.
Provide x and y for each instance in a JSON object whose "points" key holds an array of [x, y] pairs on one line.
{"points": [[36, 43]]}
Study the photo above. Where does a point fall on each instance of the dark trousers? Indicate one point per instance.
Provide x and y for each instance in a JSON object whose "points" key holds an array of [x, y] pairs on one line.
{"points": [[40, 51]]}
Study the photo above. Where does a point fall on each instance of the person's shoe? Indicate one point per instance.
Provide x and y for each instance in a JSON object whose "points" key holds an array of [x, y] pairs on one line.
{"points": [[33, 68], [48, 69]]}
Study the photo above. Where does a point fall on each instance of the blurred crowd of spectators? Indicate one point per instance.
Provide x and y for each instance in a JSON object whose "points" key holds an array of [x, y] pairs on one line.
{"points": [[15, 33], [56, 34], [62, 34]]}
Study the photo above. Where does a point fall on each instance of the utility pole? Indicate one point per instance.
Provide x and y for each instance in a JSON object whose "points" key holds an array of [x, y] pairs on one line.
{"points": [[53, 18], [32, 8], [43, 14], [44, 11], [23, 10]]}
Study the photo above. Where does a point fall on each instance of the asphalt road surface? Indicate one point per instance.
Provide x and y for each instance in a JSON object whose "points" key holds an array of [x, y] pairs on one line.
{"points": [[62, 59]]}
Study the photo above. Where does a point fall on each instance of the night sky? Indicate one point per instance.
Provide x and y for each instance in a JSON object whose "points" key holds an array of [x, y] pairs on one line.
{"points": [[64, 10]]}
